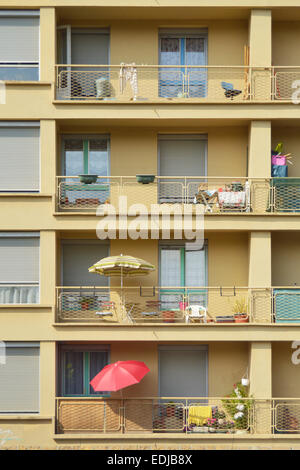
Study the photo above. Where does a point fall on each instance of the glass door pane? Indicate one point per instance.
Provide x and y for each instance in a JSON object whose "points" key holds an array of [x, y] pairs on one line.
{"points": [[195, 275], [171, 274], [170, 79], [98, 360], [73, 373], [195, 54], [89, 47]]}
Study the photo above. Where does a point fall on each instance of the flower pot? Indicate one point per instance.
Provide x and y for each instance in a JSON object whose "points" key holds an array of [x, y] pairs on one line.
{"points": [[170, 411], [145, 179], [168, 316], [241, 318], [245, 382], [84, 305], [88, 179]]}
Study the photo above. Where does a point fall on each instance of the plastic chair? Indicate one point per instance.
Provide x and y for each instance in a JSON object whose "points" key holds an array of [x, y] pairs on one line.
{"points": [[196, 312], [230, 91]]}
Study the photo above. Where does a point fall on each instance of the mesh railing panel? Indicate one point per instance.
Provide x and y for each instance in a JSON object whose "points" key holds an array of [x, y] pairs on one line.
{"points": [[84, 415], [158, 415], [88, 305], [185, 305], [112, 83], [287, 417], [217, 195], [73, 195], [286, 305], [285, 83]]}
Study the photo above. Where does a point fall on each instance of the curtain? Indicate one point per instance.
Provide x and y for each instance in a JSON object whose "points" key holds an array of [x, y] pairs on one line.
{"points": [[73, 373], [98, 360], [19, 294]]}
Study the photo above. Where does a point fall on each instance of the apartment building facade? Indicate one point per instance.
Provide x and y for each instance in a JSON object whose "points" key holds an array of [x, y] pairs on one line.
{"points": [[193, 97]]}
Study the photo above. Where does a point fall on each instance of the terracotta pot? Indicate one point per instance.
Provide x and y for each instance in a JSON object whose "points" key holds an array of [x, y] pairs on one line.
{"points": [[85, 305], [241, 318], [170, 411], [168, 316]]}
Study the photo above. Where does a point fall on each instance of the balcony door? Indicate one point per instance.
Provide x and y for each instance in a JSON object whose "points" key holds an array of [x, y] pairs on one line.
{"points": [[85, 155], [184, 271], [183, 49], [82, 47], [183, 371], [181, 156]]}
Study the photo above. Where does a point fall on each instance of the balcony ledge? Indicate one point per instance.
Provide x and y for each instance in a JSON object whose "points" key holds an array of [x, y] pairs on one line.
{"points": [[29, 83], [174, 436], [168, 102], [26, 194], [25, 417], [175, 325]]}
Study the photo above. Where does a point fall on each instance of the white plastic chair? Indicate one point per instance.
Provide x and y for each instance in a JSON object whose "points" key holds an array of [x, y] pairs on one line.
{"points": [[196, 312]]}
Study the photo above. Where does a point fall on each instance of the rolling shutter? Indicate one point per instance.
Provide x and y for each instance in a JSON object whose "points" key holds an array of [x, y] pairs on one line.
{"points": [[19, 380], [19, 158], [19, 37]]}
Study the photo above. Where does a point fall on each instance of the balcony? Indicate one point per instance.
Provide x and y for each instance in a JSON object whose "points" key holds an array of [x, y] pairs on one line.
{"points": [[219, 195], [213, 417], [167, 84], [205, 306]]}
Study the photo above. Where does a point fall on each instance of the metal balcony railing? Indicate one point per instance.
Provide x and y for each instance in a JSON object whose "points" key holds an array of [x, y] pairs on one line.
{"points": [[202, 415], [219, 195], [179, 305], [169, 83]]}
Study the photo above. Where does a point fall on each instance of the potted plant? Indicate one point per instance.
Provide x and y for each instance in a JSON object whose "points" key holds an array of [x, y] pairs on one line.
{"points": [[170, 410], [168, 316], [145, 179], [239, 408], [88, 179], [240, 310], [85, 302]]}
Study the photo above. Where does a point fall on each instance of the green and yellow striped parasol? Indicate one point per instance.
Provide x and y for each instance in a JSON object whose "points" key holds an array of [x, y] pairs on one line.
{"points": [[121, 265]]}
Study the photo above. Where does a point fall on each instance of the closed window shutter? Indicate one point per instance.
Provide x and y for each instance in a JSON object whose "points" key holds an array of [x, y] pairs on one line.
{"points": [[19, 158], [78, 258], [19, 260], [182, 156], [19, 39], [19, 380]]}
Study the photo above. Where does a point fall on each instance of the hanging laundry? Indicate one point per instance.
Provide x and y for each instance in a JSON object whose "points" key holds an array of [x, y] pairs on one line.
{"points": [[128, 72]]}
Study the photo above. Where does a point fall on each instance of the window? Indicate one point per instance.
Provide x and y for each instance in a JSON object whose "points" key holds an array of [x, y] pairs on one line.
{"points": [[182, 267], [79, 364], [19, 157], [19, 45], [183, 371], [87, 155], [19, 271], [184, 49], [181, 156], [78, 256], [19, 378]]}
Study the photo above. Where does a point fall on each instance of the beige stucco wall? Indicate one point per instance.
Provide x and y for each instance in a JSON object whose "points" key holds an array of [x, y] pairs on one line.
{"points": [[135, 151], [137, 41], [285, 374], [227, 258], [221, 378], [285, 40], [285, 258]]}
